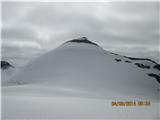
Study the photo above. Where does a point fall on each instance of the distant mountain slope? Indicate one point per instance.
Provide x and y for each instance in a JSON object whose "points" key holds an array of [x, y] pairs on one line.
{"points": [[80, 80], [83, 65], [7, 71], [5, 65]]}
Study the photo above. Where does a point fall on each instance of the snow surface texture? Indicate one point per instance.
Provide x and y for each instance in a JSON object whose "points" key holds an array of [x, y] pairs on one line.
{"points": [[80, 80]]}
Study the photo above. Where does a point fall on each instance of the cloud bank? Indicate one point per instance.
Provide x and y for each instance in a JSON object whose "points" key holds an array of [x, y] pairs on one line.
{"points": [[30, 29]]}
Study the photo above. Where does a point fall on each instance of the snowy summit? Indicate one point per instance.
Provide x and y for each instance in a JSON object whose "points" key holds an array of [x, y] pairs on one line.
{"points": [[83, 40], [80, 79]]}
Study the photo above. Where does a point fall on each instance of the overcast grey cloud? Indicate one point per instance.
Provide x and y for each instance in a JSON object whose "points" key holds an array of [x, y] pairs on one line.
{"points": [[30, 29]]}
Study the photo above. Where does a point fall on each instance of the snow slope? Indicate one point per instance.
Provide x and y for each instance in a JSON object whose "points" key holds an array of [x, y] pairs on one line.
{"points": [[80, 80]]}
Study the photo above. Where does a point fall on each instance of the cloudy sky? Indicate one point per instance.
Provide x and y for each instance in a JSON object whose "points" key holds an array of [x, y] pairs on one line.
{"points": [[30, 29]]}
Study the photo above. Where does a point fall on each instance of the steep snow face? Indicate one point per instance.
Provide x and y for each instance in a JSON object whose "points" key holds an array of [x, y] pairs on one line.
{"points": [[87, 67]]}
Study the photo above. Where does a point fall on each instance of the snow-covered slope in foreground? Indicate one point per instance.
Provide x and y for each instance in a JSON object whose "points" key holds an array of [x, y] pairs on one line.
{"points": [[80, 80]]}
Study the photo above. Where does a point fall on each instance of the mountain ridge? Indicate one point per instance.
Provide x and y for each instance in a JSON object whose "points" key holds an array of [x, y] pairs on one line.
{"points": [[81, 53]]}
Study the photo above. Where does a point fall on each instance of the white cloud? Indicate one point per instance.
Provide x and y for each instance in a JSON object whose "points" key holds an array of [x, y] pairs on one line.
{"points": [[113, 25]]}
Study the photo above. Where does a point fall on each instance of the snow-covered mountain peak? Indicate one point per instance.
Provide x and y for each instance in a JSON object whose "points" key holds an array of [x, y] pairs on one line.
{"points": [[79, 78], [80, 44], [82, 40]]}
